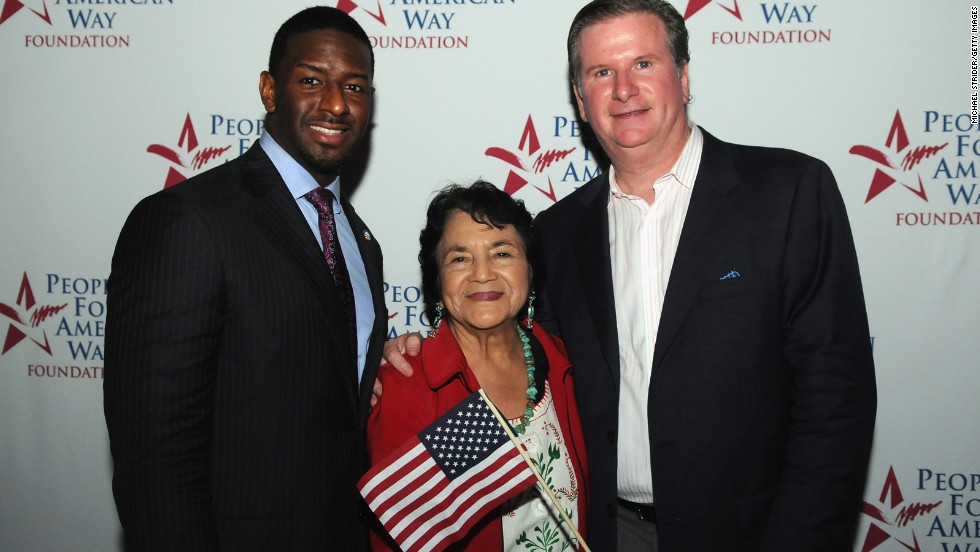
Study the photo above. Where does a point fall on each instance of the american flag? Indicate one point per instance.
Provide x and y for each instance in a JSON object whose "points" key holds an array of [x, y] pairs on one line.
{"points": [[430, 491]]}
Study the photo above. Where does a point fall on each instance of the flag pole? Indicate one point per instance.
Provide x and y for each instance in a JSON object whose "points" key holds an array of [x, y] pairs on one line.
{"points": [[530, 463]]}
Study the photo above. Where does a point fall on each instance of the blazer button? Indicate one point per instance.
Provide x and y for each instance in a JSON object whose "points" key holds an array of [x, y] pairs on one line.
{"points": [[611, 510], [612, 437]]}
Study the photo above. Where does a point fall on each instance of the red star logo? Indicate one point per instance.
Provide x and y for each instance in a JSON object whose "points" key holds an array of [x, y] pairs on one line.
{"points": [[529, 145], [881, 528], [898, 142], [10, 7], [695, 6], [25, 319], [188, 139], [347, 6]]}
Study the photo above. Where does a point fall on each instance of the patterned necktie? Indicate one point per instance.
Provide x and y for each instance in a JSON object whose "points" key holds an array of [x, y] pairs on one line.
{"points": [[322, 199]]}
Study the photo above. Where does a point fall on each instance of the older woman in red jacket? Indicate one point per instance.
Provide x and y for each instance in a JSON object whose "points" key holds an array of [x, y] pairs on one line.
{"points": [[476, 252]]}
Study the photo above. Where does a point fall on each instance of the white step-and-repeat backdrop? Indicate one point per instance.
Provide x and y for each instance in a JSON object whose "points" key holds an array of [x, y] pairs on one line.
{"points": [[107, 101]]}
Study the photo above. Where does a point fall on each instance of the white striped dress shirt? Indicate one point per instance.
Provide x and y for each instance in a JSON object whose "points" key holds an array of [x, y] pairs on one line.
{"points": [[643, 239]]}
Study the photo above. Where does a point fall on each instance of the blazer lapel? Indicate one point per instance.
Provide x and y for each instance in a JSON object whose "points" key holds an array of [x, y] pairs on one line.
{"points": [[700, 240], [595, 267], [371, 255], [277, 214]]}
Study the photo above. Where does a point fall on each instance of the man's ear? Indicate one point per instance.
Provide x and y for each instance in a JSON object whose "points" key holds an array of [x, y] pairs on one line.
{"points": [[267, 91], [685, 84], [581, 103]]}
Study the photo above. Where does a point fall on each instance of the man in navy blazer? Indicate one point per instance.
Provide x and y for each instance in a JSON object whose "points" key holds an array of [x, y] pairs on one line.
{"points": [[237, 377], [710, 301]]}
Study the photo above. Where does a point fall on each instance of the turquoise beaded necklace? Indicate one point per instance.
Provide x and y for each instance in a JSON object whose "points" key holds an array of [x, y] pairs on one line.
{"points": [[521, 427], [522, 424]]}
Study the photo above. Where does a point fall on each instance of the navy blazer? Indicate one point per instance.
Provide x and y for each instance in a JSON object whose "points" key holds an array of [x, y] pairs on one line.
{"points": [[762, 398], [231, 396]]}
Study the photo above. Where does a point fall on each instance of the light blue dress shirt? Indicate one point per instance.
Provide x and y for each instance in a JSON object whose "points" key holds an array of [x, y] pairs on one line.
{"points": [[300, 182]]}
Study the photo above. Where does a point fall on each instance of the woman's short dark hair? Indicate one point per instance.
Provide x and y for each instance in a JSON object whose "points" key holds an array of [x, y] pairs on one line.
{"points": [[484, 203]]}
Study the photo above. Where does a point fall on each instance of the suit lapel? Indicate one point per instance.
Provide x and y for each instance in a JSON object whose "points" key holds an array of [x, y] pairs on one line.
{"points": [[700, 240], [595, 267], [370, 254], [370, 251], [278, 216]]}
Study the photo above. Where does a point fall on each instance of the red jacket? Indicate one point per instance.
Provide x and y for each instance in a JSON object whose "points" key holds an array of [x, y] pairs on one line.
{"points": [[441, 380]]}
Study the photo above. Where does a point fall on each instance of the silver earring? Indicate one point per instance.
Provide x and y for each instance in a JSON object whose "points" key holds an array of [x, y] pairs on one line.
{"points": [[438, 320], [690, 98], [530, 310]]}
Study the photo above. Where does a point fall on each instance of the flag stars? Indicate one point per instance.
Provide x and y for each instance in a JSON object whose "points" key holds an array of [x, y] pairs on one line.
{"points": [[463, 438]]}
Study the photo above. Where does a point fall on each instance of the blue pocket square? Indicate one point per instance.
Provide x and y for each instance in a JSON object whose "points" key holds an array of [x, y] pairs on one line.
{"points": [[731, 275]]}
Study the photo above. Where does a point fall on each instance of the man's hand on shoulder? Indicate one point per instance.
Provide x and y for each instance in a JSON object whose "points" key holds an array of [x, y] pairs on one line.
{"points": [[395, 350], [394, 353]]}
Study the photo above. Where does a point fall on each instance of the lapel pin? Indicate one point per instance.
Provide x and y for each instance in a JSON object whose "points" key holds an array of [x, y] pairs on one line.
{"points": [[367, 235]]}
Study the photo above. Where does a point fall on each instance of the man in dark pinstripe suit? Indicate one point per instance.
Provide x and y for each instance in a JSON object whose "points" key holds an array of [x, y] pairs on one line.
{"points": [[234, 396]]}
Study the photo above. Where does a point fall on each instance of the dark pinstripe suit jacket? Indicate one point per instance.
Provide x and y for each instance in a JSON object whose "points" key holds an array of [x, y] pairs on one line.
{"points": [[231, 396]]}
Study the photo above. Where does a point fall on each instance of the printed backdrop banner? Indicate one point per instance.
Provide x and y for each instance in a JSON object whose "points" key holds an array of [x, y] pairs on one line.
{"points": [[110, 101]]}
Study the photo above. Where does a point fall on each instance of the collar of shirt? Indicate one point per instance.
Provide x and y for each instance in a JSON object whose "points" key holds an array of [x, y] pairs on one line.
{"points": [[299, 181], [683, 171]]}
